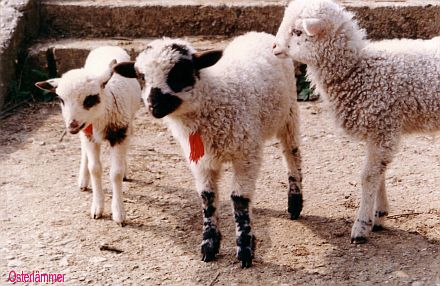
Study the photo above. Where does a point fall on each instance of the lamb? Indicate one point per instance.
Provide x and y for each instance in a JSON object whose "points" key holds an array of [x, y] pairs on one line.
{"points": [[377, 95], [221, 107], [101, 105]]}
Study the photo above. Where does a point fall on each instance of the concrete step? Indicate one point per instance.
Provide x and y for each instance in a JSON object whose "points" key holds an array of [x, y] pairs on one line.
{"points": [[155, 18], [52, 58]]}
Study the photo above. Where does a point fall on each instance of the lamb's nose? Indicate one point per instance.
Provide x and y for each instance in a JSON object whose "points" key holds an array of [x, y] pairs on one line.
{"points": [[274, 46], [73, 124]]}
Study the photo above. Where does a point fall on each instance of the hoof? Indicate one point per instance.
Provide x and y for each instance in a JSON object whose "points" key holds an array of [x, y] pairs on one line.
{"points": [[210, 244], [96, 216], [121, 224], [246, 254], [295, 204], [359, 240], [84, 189]]}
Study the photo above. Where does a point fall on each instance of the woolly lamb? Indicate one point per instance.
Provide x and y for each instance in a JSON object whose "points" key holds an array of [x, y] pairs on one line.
{"points": [[221, 108], [377, 95], [102, 106]]}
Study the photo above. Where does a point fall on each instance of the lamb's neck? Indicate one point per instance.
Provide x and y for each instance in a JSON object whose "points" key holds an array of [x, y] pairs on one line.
{"points": [[202, 98], [334, 66]]}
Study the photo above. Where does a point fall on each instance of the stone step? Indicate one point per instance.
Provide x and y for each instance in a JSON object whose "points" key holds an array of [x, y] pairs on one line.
{"points": [[156, 18], [51, 58]]}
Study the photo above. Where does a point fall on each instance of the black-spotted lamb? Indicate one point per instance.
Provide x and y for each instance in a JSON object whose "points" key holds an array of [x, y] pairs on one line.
{"points": [[100, 105], [222, 108], [377, 94]]}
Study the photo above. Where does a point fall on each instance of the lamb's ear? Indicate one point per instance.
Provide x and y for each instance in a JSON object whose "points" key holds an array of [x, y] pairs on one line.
{"points": [[49, 85], [106, 77], [126, 69], [206, 59], [313, 26]]}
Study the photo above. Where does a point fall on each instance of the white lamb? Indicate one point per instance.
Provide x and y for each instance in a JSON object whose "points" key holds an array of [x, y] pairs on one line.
{"points": [[221, 108], [377, 94], [102, 106]]}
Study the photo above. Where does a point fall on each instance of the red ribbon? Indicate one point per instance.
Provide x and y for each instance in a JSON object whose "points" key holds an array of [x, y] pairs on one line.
{"points": [[88, 131], [196, 147]]}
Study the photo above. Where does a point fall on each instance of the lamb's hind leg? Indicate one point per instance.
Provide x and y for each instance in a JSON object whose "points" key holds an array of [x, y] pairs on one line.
{"points": [[245, 174], [289, 139], [206, 184], [378, 158]]}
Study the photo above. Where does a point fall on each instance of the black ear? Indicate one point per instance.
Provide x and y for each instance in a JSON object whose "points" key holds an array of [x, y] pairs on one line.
{"points": [[48, 85], [206, 59], [126, 69]]}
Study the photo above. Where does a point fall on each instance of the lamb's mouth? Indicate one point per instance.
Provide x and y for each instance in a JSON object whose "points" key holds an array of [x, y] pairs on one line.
{"points": [[76, 130]]}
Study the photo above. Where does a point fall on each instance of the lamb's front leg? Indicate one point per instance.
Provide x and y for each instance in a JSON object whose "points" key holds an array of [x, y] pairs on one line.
{"points": [[245, 174], [84, 175], [372, 180], [95, 168], [118, 155], [381, 206], [206, 183]]}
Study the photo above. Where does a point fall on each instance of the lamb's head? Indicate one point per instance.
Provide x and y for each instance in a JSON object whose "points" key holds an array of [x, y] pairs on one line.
{"points": [[80, 95], [170, 69], [310, 26]]}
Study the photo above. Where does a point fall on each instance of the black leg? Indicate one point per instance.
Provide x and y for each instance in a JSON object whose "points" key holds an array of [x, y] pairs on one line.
{"points": [[295, 199], [245, 240], [211, 235]]}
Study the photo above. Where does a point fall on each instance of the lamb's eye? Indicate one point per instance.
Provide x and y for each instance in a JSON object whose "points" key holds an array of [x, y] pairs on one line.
{"points": [[91, 100], [295, 32]]}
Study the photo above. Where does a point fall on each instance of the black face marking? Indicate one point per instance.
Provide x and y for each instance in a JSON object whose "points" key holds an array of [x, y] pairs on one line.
{"points": [[245, 241], [294, 198], [211, 236], [181, 49], [115, 134], [91, 100], [162, 104], [182, 75]]}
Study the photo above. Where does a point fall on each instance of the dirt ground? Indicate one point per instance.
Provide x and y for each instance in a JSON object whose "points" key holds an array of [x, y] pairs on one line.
{"points": [[45, 223]]}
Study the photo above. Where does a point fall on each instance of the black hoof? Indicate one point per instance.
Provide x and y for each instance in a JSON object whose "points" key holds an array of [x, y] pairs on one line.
{"points": [[359, 240], [210, 245], [377, 227], [295, 205], [246, 254]]}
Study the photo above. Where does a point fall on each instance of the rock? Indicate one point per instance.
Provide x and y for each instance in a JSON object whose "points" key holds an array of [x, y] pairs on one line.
{"points": [[400, 274], [97, 259]]}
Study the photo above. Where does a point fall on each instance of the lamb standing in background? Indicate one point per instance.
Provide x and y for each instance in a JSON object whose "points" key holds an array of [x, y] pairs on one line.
{"points": [[102, 106], [225, 107], [377, 95]]}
